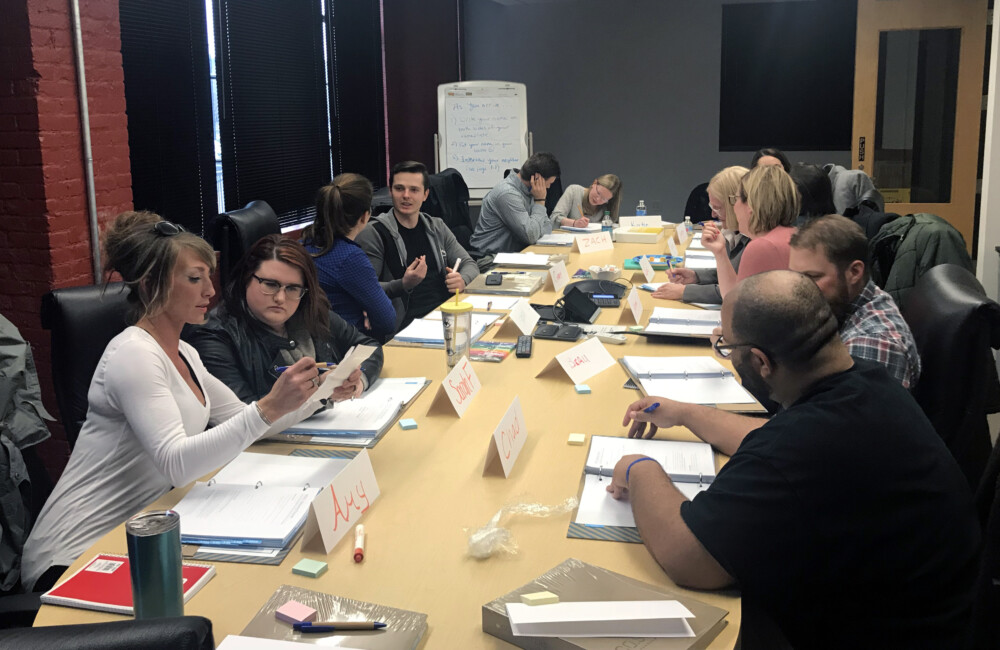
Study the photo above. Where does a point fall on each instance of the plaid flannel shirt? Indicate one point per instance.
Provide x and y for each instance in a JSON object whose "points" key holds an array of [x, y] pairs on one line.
{"points": [[875, 330]]}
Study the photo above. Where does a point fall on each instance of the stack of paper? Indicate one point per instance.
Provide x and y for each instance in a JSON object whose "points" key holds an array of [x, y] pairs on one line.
{"points": [[524, 260], [591, 227], [428, 331], [359, 421], [667, 321], [698, 259], [695, 380], [555, 239], [616, 618]]}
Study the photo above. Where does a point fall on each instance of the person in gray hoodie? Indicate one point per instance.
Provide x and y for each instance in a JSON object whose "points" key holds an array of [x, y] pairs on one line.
{"points": [[417, 259]]}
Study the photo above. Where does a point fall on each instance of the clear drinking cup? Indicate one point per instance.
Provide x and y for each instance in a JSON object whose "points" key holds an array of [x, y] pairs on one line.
{"points": [[456, 318]]}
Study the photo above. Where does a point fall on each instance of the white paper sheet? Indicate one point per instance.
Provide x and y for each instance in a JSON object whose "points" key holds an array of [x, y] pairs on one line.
{"points": [[366, 415], [428, 330], [592, 227], [555, 239], [645, 618], [532, 260], [334, 378], [233, 642], [243, 514], [484, 302], [688, 322], [699, 263], [666, 376], [270, 469]]}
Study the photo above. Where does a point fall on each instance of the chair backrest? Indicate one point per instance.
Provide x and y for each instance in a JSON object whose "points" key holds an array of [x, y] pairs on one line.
{"points": [[697, 206], [177, 633], [233, 233], [985, 632], [82, 321], [955, 325], [448, 200]]}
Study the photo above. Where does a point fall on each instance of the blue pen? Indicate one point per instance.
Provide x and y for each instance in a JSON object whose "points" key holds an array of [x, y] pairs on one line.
{"points": [[320, 365], [652, 407], [310, 628]]}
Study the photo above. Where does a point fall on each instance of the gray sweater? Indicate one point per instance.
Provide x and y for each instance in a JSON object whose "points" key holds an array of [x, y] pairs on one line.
{"points": [[707, 289], [570, 203], [509, 219], [441, 240]]}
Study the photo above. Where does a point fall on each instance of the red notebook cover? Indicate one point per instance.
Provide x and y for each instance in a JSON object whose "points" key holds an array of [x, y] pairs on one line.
{"points": [[104, 584]]}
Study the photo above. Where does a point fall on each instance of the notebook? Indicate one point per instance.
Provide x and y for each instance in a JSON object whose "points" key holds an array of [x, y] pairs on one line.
{"points": [[694, 380], [405, 630], [577, 582], [555, 239], [523, 283], [428, 332], [667, 321], [104, 584], [258, 501], [527, 260]]}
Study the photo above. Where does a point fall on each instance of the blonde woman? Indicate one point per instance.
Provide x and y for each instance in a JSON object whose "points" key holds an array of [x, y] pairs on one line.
{"points": [[766, 207], [580, 205], [156, 418], [702, 285]]}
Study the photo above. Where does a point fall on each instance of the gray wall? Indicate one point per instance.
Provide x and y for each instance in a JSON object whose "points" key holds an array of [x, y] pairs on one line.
{"points": [[622, 86]]}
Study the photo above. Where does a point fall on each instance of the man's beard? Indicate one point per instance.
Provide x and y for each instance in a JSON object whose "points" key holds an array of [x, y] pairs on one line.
{"points": [[841, 305], [755, 385]]}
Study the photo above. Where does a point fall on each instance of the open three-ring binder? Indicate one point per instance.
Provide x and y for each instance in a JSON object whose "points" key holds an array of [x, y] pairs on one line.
{"points": [[693, 380]]}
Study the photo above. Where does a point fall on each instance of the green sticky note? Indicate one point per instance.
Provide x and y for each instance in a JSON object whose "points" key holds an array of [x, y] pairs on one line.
{"points": [[311, 568]]}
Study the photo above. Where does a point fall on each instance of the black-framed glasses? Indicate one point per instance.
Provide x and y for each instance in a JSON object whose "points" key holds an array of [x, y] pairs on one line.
{"points": [[272, 287], [167, 228], [726, 349]]}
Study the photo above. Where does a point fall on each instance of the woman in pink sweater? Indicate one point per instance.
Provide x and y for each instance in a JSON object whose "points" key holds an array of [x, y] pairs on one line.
{"points": [[766, 206]]}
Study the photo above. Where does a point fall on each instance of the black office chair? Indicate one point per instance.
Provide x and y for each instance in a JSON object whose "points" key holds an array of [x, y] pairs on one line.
{"points": [[449, 201], [178, 633], [697, 206], [82, 321], [955, 326], [985, 631], [234, 232]]}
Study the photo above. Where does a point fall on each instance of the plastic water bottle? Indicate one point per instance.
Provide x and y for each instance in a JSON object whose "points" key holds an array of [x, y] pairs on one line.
{"points": [[607, 225], [688, 225], [640, 210]]}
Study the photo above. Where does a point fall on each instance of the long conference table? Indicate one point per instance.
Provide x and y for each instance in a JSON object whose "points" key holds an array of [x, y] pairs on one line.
{"points": [[433, 490]]}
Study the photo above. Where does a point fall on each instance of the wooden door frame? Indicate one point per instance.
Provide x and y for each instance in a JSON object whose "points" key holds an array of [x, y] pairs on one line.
{"points": [[971, 17]]}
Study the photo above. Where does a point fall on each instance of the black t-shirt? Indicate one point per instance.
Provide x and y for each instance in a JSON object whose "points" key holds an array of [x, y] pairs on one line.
{"points": [[846, 520], [431, 292]]}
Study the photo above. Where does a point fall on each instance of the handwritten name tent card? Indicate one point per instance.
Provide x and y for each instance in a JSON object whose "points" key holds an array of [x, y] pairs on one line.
{"points": [[557, 277], [580, 362], [634, 311], [647, 268], [507, 440], [456, 391], [647, 221], [672, 247], [340, 504], [521, 320], [682, 233], [593, 242]]}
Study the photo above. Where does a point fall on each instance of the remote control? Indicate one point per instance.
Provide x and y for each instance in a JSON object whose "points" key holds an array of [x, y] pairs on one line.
{"points": [[523, 350], [614, 339]]}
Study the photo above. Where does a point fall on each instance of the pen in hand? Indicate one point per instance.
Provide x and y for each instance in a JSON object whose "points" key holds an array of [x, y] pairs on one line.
{"points": [[320, 365], [652, 407]]}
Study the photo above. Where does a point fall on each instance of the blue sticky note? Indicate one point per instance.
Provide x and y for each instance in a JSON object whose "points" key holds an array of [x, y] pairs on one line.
{"points": [[583, 389], [408, 423], [311, 568]]}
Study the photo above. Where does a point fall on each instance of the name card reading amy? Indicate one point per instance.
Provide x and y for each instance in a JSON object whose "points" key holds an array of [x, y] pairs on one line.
{"points": [[558, 277], [341, 504], [507, 440], [593, 242], [580, 362], [457, 390]]}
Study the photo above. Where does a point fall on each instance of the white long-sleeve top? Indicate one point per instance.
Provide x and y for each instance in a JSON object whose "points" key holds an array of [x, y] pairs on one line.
{"points": [[145, 432]]}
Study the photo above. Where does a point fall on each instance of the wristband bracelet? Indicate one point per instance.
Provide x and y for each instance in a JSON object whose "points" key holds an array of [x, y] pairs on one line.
{"points": [[264, 417], [629, 469]]}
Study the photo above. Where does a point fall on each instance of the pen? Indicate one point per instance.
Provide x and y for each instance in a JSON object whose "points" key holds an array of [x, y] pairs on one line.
{"points": [[334, 626], [320, 365], [458, 260], [652, 407]]}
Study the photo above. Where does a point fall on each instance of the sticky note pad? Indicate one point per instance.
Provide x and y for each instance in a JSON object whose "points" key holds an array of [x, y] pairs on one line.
{"points": [[577, 438], [636, 328], [311, 568], [539, 598], [583, 389], [295, 612], [408, 423]]}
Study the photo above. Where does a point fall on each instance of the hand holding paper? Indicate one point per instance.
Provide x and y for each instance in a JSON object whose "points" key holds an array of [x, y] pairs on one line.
{"points": [[343, 372]]}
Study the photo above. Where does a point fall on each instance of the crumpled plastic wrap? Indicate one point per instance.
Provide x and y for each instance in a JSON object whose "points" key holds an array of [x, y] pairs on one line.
{"points": [[495, 537]]}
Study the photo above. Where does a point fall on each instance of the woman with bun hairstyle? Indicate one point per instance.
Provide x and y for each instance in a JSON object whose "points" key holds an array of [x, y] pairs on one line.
{"points": [[156, 418], [342, 210]]}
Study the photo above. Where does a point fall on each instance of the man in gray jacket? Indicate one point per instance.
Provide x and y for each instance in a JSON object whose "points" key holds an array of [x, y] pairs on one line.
{"points": [[413, 253]]}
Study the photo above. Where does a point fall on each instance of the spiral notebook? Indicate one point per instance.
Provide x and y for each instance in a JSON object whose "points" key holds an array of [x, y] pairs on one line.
{"points": [[105, 584]]}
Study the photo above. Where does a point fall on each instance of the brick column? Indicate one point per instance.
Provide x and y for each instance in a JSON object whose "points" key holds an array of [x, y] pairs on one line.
{"points": [[44, 232]]}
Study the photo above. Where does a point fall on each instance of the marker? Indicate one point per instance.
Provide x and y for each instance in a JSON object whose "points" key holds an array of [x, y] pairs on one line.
{"points": [[359, 542], [320, 365], [333, 626], [652, 407], [458, 260]]}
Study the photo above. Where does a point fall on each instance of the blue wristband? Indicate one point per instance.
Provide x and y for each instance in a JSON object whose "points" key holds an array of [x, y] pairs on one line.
{"points": [[629, 469]]}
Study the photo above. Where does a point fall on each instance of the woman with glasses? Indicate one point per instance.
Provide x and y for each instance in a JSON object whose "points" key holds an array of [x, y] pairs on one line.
{"points": [[702, 285], [766, 207], [273, 314], [580, 205], [156, 417], [342, 211]]}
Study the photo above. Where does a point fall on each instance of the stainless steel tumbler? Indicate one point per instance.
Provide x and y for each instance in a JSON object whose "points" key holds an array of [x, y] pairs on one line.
{"points": [[154, 555]]}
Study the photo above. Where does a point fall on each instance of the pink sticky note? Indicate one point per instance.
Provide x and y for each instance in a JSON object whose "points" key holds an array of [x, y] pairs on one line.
{"points": [[295, 612]]}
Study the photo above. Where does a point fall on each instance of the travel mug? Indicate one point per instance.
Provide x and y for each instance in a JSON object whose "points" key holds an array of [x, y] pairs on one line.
{"points": [[154, 556]]}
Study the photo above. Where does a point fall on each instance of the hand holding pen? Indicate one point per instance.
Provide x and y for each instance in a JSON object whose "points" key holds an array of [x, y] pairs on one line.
{"points": [[644, 417]]}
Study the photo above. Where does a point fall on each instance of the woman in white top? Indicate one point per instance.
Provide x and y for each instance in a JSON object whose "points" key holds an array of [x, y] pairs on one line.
{"points": [[580, 205], [156, 417]]}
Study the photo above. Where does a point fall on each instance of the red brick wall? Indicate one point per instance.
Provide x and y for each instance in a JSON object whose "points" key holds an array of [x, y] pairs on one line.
{"points": [[44, 231]]}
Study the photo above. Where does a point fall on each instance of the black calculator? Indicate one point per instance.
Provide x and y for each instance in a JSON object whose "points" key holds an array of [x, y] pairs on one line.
{"points": [[605, 300]]}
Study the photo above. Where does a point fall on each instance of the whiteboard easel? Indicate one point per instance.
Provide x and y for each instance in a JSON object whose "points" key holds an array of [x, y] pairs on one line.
{"points": [[482, 131]]}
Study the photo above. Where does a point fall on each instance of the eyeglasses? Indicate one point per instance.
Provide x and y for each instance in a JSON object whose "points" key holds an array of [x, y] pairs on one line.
{"points": [[167, 228], [726, 349], [272, 287]]}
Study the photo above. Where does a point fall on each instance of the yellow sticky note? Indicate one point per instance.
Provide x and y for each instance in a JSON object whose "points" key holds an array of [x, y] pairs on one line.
{"points": [[577, 438], [539, 598]]}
